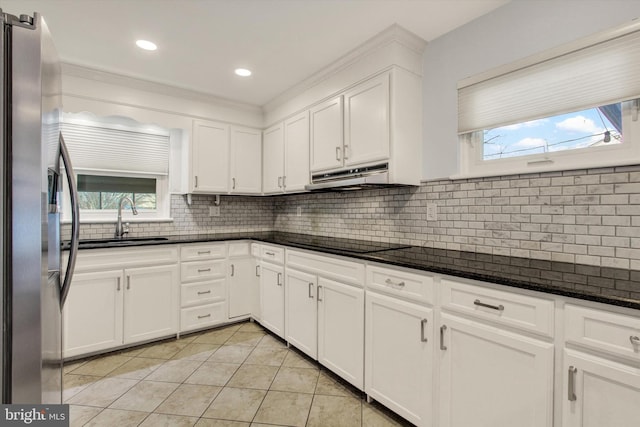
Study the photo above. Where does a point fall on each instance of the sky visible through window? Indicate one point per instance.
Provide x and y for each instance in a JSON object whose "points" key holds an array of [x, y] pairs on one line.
{"points": [[581, 129]]}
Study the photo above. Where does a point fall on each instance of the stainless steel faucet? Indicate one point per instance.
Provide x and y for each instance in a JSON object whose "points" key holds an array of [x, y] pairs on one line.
{"points": [[120, 230]]}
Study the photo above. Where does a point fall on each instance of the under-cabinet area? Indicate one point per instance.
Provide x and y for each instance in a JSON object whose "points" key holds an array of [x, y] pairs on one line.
{"points": [[436, 349]]}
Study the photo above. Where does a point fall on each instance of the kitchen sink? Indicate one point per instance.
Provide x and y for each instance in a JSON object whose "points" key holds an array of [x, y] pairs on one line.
{"points": [[121, 242]]}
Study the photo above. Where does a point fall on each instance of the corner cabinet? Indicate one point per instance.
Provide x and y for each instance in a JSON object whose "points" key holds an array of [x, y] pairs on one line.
{"points": [[225, 159]]}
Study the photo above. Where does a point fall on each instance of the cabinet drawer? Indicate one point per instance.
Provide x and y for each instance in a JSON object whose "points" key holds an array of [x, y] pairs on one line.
{"points": [[416, 287], [272, 253], [203, 251], [613, 333], [519, 311], [238, 249], [202, 292], [333, 268], [102, 259], [202, 270], [202, 316]]}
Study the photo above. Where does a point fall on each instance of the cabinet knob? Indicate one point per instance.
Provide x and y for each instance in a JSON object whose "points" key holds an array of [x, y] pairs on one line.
{"points": [[635, 340]]}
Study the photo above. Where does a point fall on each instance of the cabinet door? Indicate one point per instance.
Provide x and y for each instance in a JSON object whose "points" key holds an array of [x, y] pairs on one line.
{"points": [[246, 161], [341, 330], [150, 302], [92, 315], [296, 156], [603, 393], [399, 356], [326, 135], [272, 298], [493, 378], [302, 312], [273, 160], [210, 157], [241, 286], [366, 124], [255, 291]]}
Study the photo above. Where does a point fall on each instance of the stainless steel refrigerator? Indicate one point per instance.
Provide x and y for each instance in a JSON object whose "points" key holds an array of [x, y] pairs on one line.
{"points": [[33, 158]]}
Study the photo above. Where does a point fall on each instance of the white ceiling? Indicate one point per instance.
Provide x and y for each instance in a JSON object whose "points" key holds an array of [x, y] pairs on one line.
{"points": [[201, 42]]}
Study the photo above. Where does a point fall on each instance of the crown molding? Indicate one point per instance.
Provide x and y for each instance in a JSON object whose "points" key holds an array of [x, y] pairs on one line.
{"points": [[103, 76], [392, 34]]}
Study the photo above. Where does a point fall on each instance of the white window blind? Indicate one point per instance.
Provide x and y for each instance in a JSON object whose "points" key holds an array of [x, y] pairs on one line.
{"points": [[104, 147], [603, 69]]}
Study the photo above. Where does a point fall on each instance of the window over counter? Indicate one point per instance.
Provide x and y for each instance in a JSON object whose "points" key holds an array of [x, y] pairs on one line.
{"points": [[570, 108], [116, 157]]}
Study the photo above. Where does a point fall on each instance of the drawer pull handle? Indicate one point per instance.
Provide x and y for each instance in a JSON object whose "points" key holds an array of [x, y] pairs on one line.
{"points": [[279, 182], [338, 154], [203, 252], [205, 316], [392, 283], [118, 288], [257, 271], [204, 292], [270, 253], [233, 270], [443, 328], [319, 287], [279, 279], [493, 307], [571, 390], [635, 340], [128, 282], [202, 270], [423, 324], [310, 290]]}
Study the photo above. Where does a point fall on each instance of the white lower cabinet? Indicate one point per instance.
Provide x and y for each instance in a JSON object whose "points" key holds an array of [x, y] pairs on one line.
{"points": [[302, 311], [107, 309], [490, 377], [93, 313], [599, 392], [399, 356], [272, 297], [241, 280], [150, 302], [341, 330]]}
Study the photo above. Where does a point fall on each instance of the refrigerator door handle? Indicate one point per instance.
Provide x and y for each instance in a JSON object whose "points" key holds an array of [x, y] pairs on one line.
{"points": [[75, 221]]}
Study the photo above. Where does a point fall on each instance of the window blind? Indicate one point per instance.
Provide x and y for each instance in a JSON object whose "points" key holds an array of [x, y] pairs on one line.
{"points": [[109, 148], [603, 69]]}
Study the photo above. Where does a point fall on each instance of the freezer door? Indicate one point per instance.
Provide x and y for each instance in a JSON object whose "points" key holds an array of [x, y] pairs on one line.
{"points": [[33, 373]]}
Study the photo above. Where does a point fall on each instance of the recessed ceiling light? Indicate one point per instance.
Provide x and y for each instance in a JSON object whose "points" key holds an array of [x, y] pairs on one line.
{"points": [[243, 72], [146, 45]]}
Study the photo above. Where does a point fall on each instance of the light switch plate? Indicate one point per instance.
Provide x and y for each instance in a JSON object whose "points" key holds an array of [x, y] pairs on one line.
{"points": [[432, 212], [214, 210]]}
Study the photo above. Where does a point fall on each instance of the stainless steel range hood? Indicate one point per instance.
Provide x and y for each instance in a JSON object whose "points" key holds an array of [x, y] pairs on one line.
{"points": [[352, 179]]}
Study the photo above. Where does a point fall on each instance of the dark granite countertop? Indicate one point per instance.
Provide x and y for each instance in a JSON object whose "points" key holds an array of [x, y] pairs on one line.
{"points": [[607, 285]]}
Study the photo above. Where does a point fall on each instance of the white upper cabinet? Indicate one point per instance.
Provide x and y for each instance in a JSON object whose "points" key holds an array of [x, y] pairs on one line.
{"points": [[209, 157], [273, 160], [354, 129], [286, 155], [327, 136], [296, 154], [366, 122], [246, 161], [225, 159]]}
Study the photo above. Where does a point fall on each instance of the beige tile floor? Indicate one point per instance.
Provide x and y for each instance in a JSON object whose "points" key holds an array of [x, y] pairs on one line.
{"points": [[234, 376]]}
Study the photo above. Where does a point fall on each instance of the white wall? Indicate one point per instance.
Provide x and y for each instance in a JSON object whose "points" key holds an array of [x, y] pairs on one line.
{"points": [[514, 31]]}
